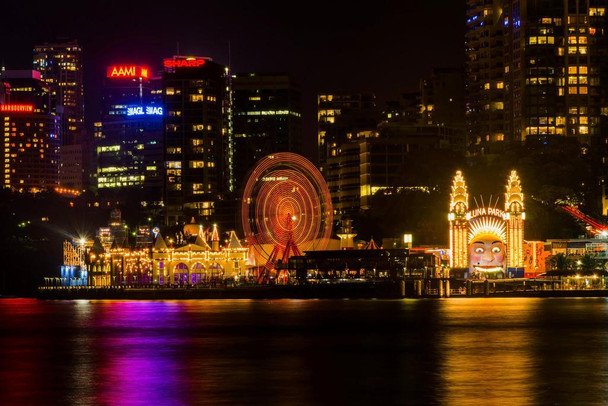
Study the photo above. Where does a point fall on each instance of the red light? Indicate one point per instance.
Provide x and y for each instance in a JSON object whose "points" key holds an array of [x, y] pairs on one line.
{"points": [[16, 108], [184, 63], [127, 71]]}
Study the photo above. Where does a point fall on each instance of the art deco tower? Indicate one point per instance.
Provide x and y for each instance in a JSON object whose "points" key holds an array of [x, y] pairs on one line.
{"points": [[459, 205], [515, 216]]}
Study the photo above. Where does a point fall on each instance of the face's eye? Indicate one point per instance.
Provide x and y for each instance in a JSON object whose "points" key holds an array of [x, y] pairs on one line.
{"points": [[495, 250], [479, 250]]}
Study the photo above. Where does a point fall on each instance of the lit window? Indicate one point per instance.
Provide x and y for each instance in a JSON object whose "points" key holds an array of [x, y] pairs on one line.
{"points": [[197, 164]]}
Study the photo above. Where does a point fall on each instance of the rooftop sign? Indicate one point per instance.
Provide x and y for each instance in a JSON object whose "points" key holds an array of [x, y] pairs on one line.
{"points": [[16, 108], [185, 62], [128, 71]]}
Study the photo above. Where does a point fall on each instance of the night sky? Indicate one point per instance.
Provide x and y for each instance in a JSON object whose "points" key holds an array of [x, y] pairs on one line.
{"points": [[379, 46]]}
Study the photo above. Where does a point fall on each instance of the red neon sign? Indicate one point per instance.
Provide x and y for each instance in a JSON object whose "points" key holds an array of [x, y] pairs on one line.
{"points": [[16, 108], [184, 63], [128, 71]]}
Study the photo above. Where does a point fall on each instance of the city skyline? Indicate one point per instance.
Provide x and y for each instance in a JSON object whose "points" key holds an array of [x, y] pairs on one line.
{"points": [[380, 48]]}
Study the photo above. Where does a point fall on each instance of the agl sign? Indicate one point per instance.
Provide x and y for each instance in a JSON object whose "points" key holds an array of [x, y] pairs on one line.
{"points": [[144, 111]]}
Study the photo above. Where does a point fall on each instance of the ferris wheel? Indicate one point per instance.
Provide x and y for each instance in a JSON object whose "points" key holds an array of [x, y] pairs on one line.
{"points": [[286, 208]]}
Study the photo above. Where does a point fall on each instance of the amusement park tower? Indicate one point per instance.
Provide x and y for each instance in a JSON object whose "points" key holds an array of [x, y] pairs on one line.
{"points": [[515, 216], [459, 205]]}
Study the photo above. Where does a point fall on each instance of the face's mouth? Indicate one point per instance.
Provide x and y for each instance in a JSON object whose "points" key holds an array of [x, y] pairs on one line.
{"points": [[487, 268]]}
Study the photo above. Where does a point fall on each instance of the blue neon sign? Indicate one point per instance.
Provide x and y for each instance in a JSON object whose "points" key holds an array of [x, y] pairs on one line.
{"points": [[144, 111]]}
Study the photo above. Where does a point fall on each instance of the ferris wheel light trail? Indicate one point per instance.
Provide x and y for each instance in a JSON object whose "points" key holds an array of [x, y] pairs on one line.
{"points": [[285, 199]]}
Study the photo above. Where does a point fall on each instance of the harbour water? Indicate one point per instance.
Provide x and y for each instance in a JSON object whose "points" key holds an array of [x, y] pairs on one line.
{"points": [[302, 352]]}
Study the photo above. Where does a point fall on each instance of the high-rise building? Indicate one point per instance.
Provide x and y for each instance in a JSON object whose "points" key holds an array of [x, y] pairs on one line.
{"points": [[60, 66], [340, 114], [485, 76], [30, 133], [197, 139], [536, 68], [126, 87], [267, 118], [129, 137]]}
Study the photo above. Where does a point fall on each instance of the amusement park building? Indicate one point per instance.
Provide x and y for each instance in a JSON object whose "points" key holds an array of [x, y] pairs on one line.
{"points": [[186, 259], [487, 241]]}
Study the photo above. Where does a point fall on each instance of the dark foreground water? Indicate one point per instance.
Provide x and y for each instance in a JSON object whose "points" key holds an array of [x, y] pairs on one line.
{"points": [[304, 352]]}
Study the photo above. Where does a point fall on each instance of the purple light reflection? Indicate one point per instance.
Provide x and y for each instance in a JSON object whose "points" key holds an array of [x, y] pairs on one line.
{"points": [[139, 354]]}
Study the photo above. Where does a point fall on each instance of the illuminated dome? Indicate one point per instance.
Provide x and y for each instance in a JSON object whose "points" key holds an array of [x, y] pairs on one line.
{"points": [[192, 228]]}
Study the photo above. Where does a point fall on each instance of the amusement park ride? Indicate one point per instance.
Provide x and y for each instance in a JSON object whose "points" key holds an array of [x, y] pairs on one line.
{"points": [[593, 226], [286, 209]]}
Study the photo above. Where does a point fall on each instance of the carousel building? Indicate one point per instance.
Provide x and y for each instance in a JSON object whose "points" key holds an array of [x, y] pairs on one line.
{"points": [[187, 259], [487, 241]]}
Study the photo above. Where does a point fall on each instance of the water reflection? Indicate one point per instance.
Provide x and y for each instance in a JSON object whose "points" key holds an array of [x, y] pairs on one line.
{"points": [[487, 348], [457, 351]]}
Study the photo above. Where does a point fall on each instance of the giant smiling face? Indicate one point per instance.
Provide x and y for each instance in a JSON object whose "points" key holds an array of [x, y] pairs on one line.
{"points": [[486, 254]]}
